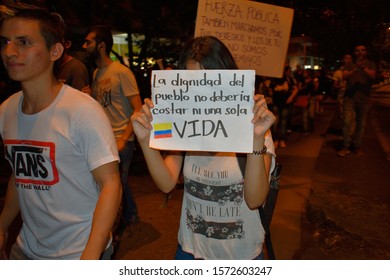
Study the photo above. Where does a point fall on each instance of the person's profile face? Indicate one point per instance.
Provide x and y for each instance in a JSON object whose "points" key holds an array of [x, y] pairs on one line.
{"points": [[90, 46]]}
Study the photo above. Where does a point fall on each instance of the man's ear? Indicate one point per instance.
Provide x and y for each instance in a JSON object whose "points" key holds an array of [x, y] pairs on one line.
{"points": [[56, 51], [67, 44], [102, 46]]}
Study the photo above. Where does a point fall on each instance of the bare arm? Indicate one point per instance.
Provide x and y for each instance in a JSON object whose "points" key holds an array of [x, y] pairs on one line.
{"points": [[10, 211], [294, 93], [371, 73], [348, 70], [348, 73], [164, 171], [256, 184], [136, 104], [108, 179]]}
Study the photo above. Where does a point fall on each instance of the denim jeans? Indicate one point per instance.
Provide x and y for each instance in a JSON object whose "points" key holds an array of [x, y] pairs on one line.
{"points": [[356, 109], [129, 207]]}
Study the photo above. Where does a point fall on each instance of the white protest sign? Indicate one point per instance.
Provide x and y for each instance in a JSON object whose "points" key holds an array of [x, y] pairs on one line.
{"points": [[202, 110], [256, 34]]}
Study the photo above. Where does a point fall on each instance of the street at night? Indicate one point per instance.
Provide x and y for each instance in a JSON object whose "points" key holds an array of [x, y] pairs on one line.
{"points": [[327, 208], [319, 65]]}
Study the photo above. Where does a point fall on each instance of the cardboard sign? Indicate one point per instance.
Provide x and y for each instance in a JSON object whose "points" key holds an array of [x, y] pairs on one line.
{"points": [[203, 110], [257, 34]]}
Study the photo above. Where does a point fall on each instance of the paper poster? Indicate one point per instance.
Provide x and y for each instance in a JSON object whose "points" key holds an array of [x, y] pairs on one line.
{"points": [[202, 110], [257, 34]]}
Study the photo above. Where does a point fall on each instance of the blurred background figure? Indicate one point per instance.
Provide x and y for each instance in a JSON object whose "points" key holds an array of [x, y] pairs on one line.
{"points": [[359, 76], [305, 101], [284, 91], [115, 87], [339, 83], [71, 70]]}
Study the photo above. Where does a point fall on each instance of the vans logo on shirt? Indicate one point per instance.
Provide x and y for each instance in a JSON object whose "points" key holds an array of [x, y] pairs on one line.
{"points": [[33, 162]]}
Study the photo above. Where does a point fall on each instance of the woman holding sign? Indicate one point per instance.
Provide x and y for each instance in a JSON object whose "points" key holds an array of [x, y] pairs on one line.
{"points": [[219, 218]]}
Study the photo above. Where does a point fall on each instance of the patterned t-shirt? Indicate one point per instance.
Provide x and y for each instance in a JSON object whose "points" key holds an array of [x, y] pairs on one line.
{"points": [[216, 223], [111, 87]]}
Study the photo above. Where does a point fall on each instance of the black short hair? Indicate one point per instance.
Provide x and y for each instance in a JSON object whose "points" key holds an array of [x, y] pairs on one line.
{"points": [[103, 34]]}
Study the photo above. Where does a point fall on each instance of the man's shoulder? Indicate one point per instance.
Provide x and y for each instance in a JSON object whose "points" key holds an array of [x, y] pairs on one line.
{"points": [[75, 102], [118, 65], [76, 96], [8, 109], [12, 99], [338, 73], [73, 68], [120, 68], [76, 62]]}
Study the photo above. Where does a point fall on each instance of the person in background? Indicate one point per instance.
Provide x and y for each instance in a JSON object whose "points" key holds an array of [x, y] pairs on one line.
{"points": [[263, 87], [339, 84], [359, 76], [298, 75], [306, 92], [202, 236], [65, 181], [284, 91], [71, 70], [321, 89], [318, 95], [114, 86]]}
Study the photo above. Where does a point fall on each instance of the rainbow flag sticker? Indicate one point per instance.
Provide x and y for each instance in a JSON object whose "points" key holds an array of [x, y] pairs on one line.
{"points": [[162, 130]]}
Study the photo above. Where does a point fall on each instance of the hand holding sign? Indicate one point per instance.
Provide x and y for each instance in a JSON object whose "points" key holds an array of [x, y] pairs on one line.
{"points": [[210, 110], [263, 118], [207, 110], [141, 121]]}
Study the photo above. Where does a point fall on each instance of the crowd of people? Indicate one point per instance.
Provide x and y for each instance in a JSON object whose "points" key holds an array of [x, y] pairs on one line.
{"points": [[301, 92], [69, 135]]}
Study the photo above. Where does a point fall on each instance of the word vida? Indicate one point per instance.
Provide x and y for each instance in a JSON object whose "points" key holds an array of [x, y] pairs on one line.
{"points": [[202, 128]]}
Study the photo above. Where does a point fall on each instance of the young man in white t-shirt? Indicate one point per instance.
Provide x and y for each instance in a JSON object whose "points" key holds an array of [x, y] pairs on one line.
{"points": [[65, 181]]}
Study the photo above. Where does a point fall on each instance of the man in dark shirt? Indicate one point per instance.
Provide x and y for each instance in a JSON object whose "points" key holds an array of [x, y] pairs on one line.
{"points": [[359, 76]]}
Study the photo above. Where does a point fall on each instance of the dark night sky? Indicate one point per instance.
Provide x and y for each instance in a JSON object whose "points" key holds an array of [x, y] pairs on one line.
{"points": [[335, 24]]}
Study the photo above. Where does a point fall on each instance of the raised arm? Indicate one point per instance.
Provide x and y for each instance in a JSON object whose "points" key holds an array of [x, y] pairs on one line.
{"points": [[164, 171], [256, 183], [135, 103]]}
